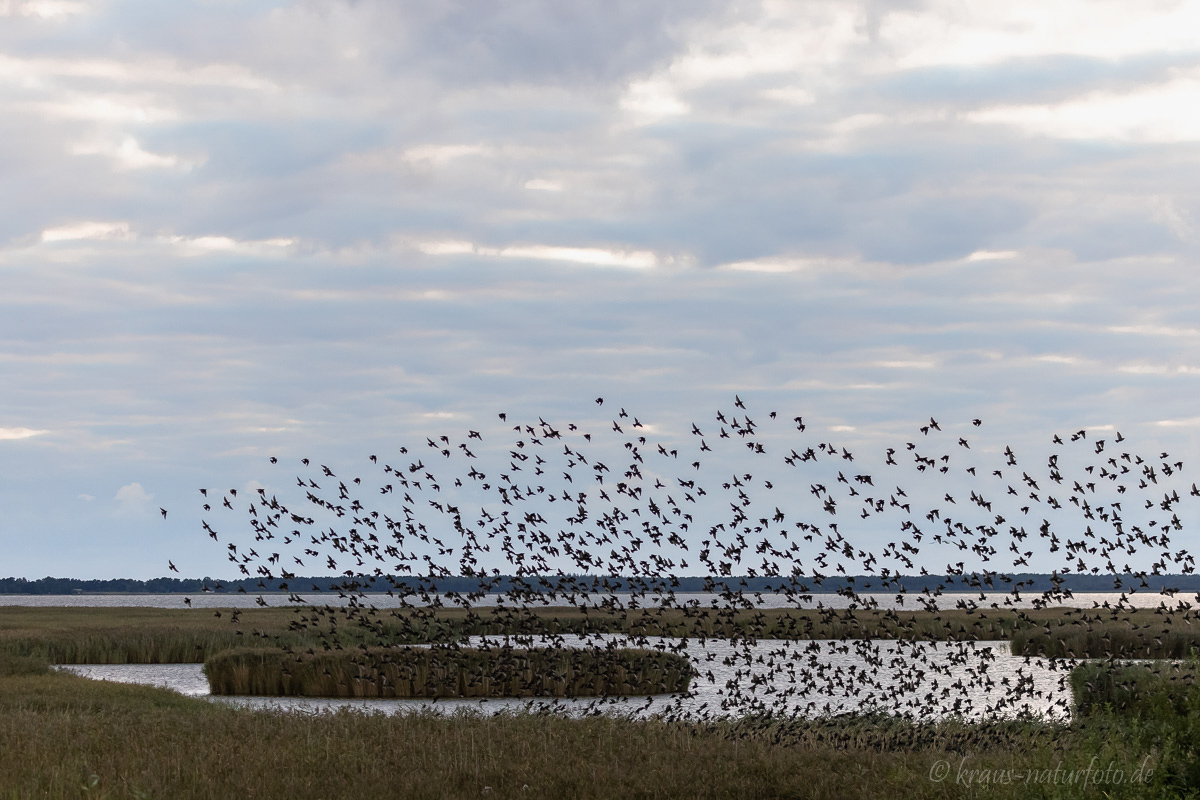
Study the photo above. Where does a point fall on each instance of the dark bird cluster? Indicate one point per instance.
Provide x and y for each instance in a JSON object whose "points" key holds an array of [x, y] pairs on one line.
{"points": [[785, 564]]}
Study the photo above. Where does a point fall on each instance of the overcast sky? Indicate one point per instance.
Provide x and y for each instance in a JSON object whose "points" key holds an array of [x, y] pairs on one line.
{"points": [[234, 230]]}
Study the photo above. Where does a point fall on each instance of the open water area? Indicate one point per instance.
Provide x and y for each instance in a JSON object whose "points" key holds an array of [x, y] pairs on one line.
{"points": [[910, 601]]}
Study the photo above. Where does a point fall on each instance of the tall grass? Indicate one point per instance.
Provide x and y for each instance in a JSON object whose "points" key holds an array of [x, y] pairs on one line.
{"points": [[448, 672], [707, 622], [14, 665], [1152, 690], [1119, 639], [145, 635], [1151, 706], [65, 736], [165, 636]]}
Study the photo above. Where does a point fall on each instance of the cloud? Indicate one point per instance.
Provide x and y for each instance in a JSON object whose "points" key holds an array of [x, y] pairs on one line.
{"points": [[992, 255], [439, 154], [133, 500], [591, 256], [536, 41], [943, 32], [130, 155], [1155, 330], [20, 433], [205, 245], [783, 265], [1190, 422], [652, 100], [1159, 369], [929, 364], [1163, 113], [544, 185], [87, 230], [247, 230], [45, 9]]}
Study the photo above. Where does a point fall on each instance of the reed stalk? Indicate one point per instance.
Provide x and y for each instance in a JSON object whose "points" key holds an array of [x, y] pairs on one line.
{"points": [[400, 672]]}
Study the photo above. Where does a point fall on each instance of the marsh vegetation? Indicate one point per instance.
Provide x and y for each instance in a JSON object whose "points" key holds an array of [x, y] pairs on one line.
{"points": [[154, 635], [66, 736], [400, 672]]}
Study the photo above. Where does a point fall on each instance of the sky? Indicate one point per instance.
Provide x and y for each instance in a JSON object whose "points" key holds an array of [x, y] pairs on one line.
{"points": [[237, 230]]}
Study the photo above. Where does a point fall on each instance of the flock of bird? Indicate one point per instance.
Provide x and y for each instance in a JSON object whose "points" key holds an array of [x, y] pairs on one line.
{"points": [[613, 512]]}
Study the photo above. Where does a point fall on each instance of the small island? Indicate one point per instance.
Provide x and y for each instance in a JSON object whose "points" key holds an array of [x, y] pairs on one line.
{"points": [[447, 671]]}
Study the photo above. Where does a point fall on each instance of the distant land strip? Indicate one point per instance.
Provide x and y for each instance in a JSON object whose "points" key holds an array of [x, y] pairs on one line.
{"points": [[565, 585]]}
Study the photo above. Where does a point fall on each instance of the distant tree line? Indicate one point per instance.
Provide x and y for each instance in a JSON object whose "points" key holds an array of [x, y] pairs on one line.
{"points": [[110, 586], [1029, 583]]}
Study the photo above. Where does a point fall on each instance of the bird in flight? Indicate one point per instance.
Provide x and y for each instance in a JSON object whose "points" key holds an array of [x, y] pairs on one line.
{"points": [[563, 506]]}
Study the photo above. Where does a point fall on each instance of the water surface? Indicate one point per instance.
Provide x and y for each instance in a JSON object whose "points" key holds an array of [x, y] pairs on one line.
{"points": [[909, 602]]}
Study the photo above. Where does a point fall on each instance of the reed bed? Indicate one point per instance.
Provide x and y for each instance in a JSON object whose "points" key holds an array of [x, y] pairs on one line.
{"points": [[1122, 639], [169, 636], [955, 624], [713, 623], [20, 666], [448, 672], [148, 635], [65, 736], [1154, 706], [1146, 690]]}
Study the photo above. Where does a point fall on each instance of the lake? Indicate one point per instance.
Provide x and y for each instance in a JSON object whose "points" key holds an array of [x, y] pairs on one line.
{"points": [[911, 602]]}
